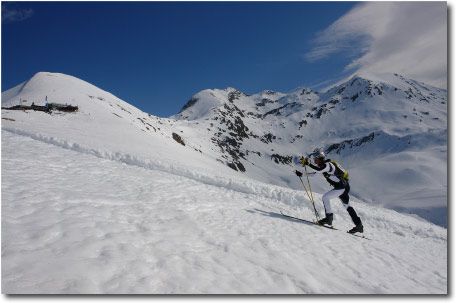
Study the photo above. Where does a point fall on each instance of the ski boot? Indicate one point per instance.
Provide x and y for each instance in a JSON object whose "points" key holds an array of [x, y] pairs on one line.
{"points": [[357, 229], [326, 220]]}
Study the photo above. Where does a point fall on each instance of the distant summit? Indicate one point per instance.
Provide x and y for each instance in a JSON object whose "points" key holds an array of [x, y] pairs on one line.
{"points": [[389, 131], [362, 122]]}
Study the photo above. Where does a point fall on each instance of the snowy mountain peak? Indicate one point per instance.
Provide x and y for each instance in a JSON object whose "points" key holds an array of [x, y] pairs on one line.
{"points": [[46, 87], [103, 124], [359, 122], [365, 124]]}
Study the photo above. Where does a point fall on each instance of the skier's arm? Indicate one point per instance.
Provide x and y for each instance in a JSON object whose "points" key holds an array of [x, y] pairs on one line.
{"points": [[324, 169], [299, 174]]}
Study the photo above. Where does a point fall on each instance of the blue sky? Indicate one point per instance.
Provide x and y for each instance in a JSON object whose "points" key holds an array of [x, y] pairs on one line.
{"points": [[157, 55]]}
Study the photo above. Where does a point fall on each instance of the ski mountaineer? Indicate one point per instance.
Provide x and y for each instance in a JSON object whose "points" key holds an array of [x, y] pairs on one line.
{"points": [[338, 178]]}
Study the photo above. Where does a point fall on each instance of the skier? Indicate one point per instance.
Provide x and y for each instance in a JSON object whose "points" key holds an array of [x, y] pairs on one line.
{"points": [[338, 178]]}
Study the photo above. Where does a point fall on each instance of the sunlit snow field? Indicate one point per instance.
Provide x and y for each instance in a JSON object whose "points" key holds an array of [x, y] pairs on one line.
{"points": [[74, 223]]}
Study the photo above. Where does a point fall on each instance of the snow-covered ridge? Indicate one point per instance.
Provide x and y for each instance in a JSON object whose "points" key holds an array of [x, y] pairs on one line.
{"points": [[280, 195], [228, 132], [241, 185], [251, 131]]}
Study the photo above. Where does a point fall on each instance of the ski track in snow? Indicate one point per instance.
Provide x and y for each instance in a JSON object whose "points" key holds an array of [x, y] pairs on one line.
{"points": [[113, 223]]}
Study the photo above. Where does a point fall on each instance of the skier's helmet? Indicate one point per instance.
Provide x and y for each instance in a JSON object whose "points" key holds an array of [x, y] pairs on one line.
{"points": [[320, 156]]}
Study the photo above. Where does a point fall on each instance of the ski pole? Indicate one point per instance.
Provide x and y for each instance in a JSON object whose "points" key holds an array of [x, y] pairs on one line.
{"points": [[304, 185], [305, 189], [311, 201], [310, 196], [310, 189]]}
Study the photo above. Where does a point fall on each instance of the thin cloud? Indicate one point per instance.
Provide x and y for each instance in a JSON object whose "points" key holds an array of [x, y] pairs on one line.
{"points": [[10, 15], [409, 38]]}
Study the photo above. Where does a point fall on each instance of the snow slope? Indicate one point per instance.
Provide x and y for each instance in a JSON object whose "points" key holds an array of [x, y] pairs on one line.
{"points": [[75, 222], [104, 124]]}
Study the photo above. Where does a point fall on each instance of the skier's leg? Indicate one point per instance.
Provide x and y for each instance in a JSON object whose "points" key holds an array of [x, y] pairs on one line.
{"points": [[345, 198], [354, 216], [326, 202], [334, 193]]}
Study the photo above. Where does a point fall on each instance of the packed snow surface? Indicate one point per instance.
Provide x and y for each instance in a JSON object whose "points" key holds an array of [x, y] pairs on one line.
{"points": [[75, 222]]}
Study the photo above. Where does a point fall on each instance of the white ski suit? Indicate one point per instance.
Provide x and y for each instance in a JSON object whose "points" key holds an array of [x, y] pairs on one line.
{"points": [[341, 186]]}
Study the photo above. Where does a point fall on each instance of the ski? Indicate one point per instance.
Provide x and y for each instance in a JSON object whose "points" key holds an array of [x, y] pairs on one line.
{"points": [[312, 222], [327, 226], [359, 236]]}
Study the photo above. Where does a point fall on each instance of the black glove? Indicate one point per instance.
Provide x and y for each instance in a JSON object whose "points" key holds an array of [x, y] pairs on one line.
{"points": [[298, 173]]}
